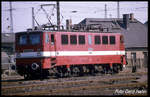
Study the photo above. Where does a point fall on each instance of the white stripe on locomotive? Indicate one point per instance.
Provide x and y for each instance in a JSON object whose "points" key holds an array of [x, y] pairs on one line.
{"points": [[68, 53]]}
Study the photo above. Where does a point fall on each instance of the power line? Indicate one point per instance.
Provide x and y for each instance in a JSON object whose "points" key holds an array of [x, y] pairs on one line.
{"points": [[85, 11], [137, 8], [33, 18], [118, 9], [58, 15], [105, 10], [11, 18]]}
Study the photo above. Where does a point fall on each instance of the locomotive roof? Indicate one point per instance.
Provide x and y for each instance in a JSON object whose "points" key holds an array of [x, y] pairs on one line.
{"points": [[41, 31]]}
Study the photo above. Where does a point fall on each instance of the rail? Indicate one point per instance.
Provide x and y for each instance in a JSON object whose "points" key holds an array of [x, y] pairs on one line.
{"points": [[8, 67], [92, 87]]}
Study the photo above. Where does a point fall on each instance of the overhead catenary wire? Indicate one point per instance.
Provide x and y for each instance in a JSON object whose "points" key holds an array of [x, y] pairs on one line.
{"points": [[96, 10], [47, 15]]}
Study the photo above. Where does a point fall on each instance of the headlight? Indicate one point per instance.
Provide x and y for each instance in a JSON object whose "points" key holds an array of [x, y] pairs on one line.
{"points": [[34, 66], [18, 55]]}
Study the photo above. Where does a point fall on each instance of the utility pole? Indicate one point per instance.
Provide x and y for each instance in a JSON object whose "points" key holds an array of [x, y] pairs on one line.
{"points": [[58, 16], [11, 31], [118, 12], [11, 18], [110, 15], [105, 11], [11, 22], [32, 18]]}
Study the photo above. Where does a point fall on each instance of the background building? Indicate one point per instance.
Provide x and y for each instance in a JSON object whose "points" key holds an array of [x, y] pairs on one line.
{"points": [[8, 42], [7, 51]]}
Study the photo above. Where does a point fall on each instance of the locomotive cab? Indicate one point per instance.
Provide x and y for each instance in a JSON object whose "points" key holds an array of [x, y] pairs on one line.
{"points": [[32, 51]]}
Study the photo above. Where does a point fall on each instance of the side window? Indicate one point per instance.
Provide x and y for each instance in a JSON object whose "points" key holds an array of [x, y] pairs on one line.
{"points": [[73, 39], [81, 39], [52, 39], [64, 39], [105, 39], [121, 39], [47, 38], [89, 39], [112, 40], [97, 40]]}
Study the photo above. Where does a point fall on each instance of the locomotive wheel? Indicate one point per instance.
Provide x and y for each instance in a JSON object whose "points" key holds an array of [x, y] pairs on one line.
{"points": [[56, 73], [104, 69], [75, 71], [85, 69], [45, 74], [115, 69], [121, 67], [91, 70], [27, 76], [98, 68], [67, 72], [51, 72], [81, 72], [60, 72]]}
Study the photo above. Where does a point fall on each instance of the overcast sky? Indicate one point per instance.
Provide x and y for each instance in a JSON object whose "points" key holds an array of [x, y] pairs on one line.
{"points": [[22, 12]]}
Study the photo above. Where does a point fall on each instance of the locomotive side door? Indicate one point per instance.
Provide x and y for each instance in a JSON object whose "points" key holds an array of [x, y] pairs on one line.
{"points": [[90, 43], [53, 45], [49, 50], [90, 48], [122, 42], [53, 49]]}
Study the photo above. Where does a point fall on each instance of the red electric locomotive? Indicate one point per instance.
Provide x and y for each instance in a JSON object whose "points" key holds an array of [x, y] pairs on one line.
{"points": [[41, 53]]}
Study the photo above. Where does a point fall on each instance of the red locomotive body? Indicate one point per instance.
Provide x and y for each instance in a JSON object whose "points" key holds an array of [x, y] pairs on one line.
{"points": [[38, 52]]}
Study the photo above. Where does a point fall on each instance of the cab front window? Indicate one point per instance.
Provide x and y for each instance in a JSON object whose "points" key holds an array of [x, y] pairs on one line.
{"points": [[34, 39], [23, 39]]}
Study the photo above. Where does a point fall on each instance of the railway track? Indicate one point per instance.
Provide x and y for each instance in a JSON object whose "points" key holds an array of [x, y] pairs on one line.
{"points": [[66, 86], [80, 88], [22, 81], [95, 87], [69, 82]]}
